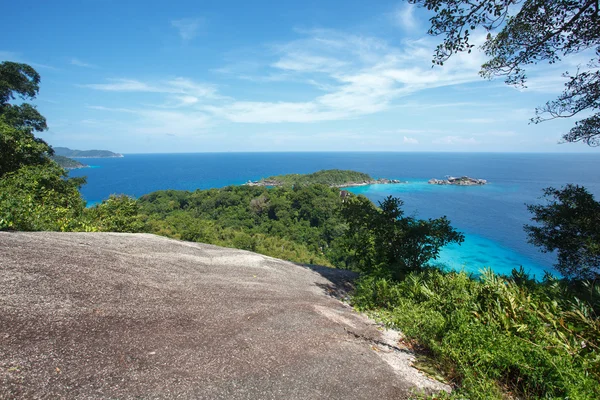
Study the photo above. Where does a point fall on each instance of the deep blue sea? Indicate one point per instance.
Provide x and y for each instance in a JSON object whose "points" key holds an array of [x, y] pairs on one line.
{"points": [[491, 216]]}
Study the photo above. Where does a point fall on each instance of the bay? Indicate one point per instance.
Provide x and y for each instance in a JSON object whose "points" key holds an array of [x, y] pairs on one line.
{"points": [[491, 216]]}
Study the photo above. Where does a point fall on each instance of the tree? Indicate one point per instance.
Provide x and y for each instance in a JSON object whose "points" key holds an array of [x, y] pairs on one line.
{"points": [[40, 198], [19, 147], [35, 193], [529, 32], [23, 81], [384, 239], [570, 225], [119, 213]]}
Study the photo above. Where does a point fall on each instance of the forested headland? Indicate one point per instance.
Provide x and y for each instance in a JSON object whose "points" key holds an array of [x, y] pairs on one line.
{"points": [[66, 152], [67, 163], [330, 177]]}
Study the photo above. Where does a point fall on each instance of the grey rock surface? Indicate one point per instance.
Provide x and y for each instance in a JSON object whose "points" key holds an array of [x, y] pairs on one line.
{"points": [[106, 315]]}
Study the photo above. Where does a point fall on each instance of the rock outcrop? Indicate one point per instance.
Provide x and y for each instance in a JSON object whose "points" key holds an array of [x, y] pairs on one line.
{"points": [[101, 315], [462, 181]]}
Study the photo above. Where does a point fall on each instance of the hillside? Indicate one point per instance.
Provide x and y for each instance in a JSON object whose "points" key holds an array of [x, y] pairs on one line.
{"points": [[66, 152], [330, 177], [298, 225], [67, 162], [104, 315]]}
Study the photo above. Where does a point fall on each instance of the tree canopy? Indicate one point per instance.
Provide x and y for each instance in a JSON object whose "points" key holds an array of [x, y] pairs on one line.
{"points": [[20, 80], [525, 32], [384, 239], [570, 225], [18, 145], [330, 177]]}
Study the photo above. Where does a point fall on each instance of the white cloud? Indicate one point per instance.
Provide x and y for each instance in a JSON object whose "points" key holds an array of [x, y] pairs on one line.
{"points": [[159, 122], [409, 140], [477, 120], [79, 63], [188, 27], [355, 75], [17, 57], [177, 86], [122, 85], [404, 17], [265, 112], [455, 140], [359, 75]]}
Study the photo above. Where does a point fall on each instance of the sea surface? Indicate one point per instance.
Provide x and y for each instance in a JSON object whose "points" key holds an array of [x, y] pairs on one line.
{"points": [[490, 216]]}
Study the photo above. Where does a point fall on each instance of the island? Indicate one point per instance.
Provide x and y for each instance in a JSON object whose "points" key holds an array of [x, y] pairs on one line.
{"points": [[462, 181], [331, 177], [66, 152], [68, 163]]}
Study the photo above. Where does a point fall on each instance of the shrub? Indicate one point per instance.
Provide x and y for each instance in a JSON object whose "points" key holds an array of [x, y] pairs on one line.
{"points": [[118, 213], [39, 197], [496, 335]]}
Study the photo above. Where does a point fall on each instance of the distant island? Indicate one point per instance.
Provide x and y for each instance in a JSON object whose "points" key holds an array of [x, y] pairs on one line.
{"points": [[462, 181], [331, 177], [66, 152], [68, 163]]}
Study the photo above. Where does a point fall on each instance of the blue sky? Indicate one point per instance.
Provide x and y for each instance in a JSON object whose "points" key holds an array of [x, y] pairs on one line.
{"points": [[205, 76]]}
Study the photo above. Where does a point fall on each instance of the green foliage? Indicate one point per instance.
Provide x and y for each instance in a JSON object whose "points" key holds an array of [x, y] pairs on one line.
{"points": [[570, 224], [66, 152], [19, 147], [35, 193], [330, 177], [383, 239], [530, 32], [299, 224], [65, 162], [497, 336], [39, 197], [23, 81], [116, 214]]}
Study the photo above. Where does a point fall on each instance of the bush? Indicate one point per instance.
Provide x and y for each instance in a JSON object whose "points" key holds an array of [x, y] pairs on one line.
{"points": [[496, 335], [119, 213], [39, 197]]}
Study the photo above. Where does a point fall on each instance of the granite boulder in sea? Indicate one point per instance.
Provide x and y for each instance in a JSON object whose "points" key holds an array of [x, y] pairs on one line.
{"points": [[462, 181]]}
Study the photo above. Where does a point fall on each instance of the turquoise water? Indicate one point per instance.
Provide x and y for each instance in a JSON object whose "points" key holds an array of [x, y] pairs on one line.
{"points": [[491, 216], [476, 252]]}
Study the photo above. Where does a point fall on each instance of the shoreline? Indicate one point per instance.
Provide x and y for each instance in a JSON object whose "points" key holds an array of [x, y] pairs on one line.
{"points": [[119, 156], [381, 181]]}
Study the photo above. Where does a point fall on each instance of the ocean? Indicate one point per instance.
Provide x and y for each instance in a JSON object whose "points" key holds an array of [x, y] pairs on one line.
{"points": [[490, 216]]}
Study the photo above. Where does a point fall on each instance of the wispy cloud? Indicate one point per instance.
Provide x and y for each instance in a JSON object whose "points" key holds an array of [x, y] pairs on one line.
{"points": [[355, 75], [17, 57], [159, 122], [477, 120], [359, 74], [409, 140], [455, 140], [185, 90], [188, 28], [404, 17], [77, 62]]}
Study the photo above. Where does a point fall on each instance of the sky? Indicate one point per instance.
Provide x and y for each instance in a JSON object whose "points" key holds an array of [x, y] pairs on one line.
{"points": [[244, 76]]}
